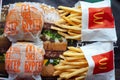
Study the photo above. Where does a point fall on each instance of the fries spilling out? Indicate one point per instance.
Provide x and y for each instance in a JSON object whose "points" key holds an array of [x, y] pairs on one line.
{"points": [[69, 25], [72, 66]]}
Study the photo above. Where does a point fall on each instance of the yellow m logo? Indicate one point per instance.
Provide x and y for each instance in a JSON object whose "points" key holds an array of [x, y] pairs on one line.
{"points": [[102, 63], [96, 17]]}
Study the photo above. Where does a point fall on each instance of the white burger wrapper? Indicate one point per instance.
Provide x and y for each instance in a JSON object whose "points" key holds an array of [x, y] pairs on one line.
{"points": [[24, 59], [50, 14], [24, 22]]}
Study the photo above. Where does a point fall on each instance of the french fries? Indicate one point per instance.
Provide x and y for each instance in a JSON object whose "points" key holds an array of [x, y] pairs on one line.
{"points": [[69, 26], [73, 65], [74, 49], [60, 29], [70, 9]]}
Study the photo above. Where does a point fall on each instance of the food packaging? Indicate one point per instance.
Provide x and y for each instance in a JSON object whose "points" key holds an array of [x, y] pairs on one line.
{"points": [[100, 57], [50, 14], [97, 21], [94, 61], [24, 59], [24, 22]]}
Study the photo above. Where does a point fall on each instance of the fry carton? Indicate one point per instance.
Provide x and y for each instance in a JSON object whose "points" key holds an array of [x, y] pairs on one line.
{"points": [[100, 57], [97, 21]]}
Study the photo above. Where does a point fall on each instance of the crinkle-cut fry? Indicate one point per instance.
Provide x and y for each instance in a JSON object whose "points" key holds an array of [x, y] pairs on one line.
{"points": [[68, 27], [63, 67], [64, 14], [62, 34], [70, 9], [58, 29], [75, 63], [74, 49], [80, 78], [75, 31], [81, 70], [68, 20], [74, 37]]}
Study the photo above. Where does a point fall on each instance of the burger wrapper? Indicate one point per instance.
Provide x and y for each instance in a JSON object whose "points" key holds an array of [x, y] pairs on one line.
{"points": [[50, 14], [24, 22], [24, 59], [97, 21], [100, 58]]}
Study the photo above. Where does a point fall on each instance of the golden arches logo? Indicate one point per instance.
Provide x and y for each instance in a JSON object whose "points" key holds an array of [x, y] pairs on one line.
{"points": [[103, 63], [96, 18]]}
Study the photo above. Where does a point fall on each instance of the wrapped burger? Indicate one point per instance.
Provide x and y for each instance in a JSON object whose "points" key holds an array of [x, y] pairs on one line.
{"points": [[24, 22], [51, 14], [24, 59]]}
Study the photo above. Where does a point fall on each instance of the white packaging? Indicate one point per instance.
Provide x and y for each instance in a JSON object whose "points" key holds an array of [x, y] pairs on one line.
{"points": [[100, 57], [97, 21], [50, 14], [24, 59], [24, 22]]}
